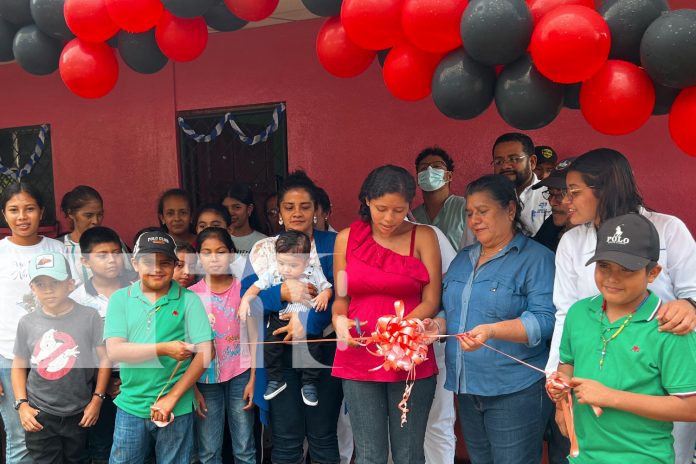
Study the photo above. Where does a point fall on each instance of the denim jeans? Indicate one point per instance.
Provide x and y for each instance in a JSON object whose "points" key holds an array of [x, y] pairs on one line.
{"points": [[505, 429], [100, 435], [559, 446], [221, 397], [133, 437], [292, 420], [61, 440], [376, 420], [16, 450]]}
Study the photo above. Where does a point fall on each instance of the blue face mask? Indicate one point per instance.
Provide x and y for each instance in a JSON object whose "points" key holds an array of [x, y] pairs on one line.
{"points": [[431, 179]]}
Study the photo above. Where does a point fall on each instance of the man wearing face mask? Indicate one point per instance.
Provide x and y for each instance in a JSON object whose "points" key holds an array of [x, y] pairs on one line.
{"points": [[440, 208], [513, 157]]}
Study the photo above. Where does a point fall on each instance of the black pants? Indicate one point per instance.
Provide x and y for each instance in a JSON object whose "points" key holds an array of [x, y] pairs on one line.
{"points": [[273, 354], [61, 440]]}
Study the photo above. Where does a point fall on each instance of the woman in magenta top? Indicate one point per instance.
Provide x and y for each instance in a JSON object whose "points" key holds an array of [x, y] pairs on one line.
{"points": [[380, 259]]}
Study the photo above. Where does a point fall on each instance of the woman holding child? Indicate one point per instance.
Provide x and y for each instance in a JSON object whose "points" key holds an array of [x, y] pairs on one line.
{"points": [[600, 186], [383, 258], [291, 420], [498, 292]]}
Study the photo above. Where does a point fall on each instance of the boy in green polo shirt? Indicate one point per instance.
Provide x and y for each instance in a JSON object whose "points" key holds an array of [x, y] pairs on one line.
{"points": [[160, 334], [614, 358]]}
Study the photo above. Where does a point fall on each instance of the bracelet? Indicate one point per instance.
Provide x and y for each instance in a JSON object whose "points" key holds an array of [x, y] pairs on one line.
{"points": [[99, 395], [439, 330]]}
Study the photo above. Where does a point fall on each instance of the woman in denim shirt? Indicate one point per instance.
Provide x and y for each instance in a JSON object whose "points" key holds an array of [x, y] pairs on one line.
{"points": [[499, 291]]}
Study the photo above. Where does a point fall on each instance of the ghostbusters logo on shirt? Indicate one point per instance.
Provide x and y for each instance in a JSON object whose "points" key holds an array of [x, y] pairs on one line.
{"points": [[54, 354]]}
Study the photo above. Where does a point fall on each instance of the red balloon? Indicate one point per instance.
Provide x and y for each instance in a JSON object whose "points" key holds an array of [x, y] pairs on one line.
{"points": [[373, 24], [337, 54], [570, 44], [181, 39], [681, 121], [89, 20], [433, 25], [88, 69], [135, 15], [252, 10], [539, 8], [408, 71], [618, 99]]}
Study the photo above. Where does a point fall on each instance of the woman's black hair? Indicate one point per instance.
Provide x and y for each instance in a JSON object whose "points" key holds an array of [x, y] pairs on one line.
{"points": [[612, 182], [323, 200], [185, 247], [21, 187], [502, 191], [244, 194], [383, 180], [298, 180], [293, 241], [215, 208], [218, 233], [77, 198], [175, 192]]}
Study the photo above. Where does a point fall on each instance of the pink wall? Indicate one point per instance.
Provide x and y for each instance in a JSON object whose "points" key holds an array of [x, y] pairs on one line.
{"points": [[338, 130]]}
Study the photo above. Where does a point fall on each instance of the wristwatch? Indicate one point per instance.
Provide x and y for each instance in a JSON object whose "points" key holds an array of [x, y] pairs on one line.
{"points": [[19, 402], [99, 395], [692, 301]]}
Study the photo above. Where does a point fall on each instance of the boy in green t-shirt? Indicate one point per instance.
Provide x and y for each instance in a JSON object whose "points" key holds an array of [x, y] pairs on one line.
{"points": [[613, 356], [160, 334]]}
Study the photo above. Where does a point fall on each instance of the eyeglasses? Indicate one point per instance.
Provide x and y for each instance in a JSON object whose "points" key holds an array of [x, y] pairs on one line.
{"points": [[548, 195], [512, 159], [572, 193], [434, 165]]}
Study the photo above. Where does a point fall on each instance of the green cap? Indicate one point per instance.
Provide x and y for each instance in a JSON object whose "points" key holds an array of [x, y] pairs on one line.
{"points": [[53, 265]]}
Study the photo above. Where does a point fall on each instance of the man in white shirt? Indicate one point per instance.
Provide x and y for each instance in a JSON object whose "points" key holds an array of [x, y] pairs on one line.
{"points": [[513, 157]]}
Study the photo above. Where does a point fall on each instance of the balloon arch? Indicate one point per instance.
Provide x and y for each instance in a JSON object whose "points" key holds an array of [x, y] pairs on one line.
{"points": [[618, 63]]}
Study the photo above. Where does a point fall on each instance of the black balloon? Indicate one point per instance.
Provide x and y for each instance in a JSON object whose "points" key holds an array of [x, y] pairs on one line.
{"points": [[572, 96], [496, 31], [462, 88], [668, 49], [16, 11], [113, 41], [664, 97], [220, 18], [628, 20], [323, 7], [525, 99], [48, 16], [382, 56], [140, 52], [36, 52], [7, 33], [188, 8]]}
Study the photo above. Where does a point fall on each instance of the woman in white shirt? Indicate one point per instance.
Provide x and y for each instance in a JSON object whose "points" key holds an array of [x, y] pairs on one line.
{"points": [[22, 208], [600, 185]]}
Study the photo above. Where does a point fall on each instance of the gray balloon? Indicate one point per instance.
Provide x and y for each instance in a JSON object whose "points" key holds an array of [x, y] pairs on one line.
{"points": [[664, 97], [7, 33], [462, 88], [48, 16], [525, 99], [188, 8], [571, 97], [36, 52], [668, 49], [220, 18], [323, 7], [141, 52], [16, 11], [496, 31], [628, 20]]}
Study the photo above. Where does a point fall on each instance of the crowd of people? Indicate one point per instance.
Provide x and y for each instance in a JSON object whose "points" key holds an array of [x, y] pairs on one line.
{"points": [[546, 276]]}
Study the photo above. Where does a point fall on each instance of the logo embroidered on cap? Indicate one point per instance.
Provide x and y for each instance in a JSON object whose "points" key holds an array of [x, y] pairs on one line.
{"points": [[616, 238], [44, 262], [546, 153]]}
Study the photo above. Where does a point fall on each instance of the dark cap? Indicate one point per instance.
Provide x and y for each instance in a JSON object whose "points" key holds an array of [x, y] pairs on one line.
{"points": [[155, 242], [630, 241], [557, 177], [545, 154]]}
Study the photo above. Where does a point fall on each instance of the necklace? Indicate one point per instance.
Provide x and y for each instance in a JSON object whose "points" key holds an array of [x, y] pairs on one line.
{"points": [[605, 340], [484, 252], [149, 316]]}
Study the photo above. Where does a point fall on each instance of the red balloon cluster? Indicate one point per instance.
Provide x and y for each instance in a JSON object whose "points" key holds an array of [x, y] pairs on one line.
{"points": [[89, 67]]}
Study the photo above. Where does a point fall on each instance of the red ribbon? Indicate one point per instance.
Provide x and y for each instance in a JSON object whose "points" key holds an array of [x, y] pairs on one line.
{"points": [[400, 342]]}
